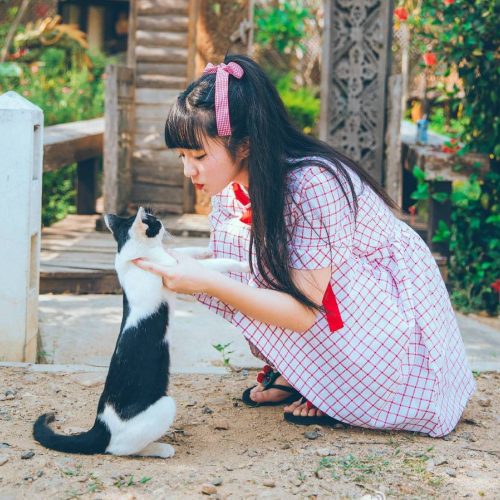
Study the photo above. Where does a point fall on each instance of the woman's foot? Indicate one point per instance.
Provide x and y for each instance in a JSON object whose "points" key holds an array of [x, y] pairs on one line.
{"points": [[302, 408], [258, 394]]}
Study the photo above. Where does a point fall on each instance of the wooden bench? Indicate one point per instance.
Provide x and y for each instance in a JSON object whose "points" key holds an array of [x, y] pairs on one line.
{"points": [[439, 168], [78, 142]]}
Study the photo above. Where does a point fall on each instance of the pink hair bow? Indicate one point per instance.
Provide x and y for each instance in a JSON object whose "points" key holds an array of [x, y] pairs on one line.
{"points": [[221, 98]]}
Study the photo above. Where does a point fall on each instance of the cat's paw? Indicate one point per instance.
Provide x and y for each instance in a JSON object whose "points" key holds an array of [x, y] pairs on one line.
{"points": [[159, 450], [207, 254], [244, 267]]}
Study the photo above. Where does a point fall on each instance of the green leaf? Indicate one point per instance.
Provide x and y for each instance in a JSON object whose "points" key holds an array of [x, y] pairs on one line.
{"points": [[493, 219], [440, 197], [418, 173]]}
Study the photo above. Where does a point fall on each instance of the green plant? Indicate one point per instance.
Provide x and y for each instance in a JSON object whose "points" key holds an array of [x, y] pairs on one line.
{"points": [[474, 238], [362, 469], [282, 27], [68, 83], [95, 483], [442, 124], [465, 36], [225, 355], [73, 472], [303, 104]]}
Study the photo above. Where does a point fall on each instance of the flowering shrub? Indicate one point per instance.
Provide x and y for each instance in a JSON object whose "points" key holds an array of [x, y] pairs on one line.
{"points": [[67, 82], [465, 35], [303, 104], [282, 26]]}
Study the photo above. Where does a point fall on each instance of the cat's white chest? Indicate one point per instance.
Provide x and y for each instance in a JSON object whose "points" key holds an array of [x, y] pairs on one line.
{"points": [[145, 291]]}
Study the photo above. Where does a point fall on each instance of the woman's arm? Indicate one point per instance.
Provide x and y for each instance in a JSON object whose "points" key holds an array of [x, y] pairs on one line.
{"points": [[269, 306]]}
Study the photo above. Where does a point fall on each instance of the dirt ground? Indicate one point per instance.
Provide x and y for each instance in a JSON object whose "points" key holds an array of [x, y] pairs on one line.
{"points": [[237, 452]]}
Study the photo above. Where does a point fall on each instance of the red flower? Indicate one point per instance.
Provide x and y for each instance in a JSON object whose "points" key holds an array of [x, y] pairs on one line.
{"points": [[449, 2], [401, 13], [266, 369], [430, 59], [412, 210], [41, 10], [451, 146], [260, 377], [496, 286]]}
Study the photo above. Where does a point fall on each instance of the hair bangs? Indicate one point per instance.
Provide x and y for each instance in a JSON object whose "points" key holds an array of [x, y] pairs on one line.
{"points": [[187, 129]]}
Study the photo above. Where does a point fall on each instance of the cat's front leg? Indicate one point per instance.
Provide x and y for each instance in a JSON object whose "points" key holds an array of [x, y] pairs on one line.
{"points": [[226, 265], [196, 252]]}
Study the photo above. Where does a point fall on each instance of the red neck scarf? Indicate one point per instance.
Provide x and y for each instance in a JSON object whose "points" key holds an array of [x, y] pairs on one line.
{"points": [[329, 301]]}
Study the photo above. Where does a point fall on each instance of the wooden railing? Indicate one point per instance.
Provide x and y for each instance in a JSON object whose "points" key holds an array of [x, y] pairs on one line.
{"points": [[78, 142]]}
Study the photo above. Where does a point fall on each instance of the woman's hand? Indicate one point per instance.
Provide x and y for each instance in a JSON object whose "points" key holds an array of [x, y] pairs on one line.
{"points": [[188, 276]]}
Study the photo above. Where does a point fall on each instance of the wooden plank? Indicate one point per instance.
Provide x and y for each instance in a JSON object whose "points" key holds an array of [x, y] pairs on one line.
{"points": [[187, 224], [72, 143], [149, 127], [149, 112], [149, 193], [159, 170], [160, 207], [437, 163], [163, 23], [165, 157], [162, 69], [153, 140], [161, 54], [161, 82], [158, 181], [156, 96], [162, 38], [160, 176], [156, 7]]}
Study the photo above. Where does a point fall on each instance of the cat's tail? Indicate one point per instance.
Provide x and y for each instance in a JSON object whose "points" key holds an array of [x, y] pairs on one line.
{"points": [[92, 442]]}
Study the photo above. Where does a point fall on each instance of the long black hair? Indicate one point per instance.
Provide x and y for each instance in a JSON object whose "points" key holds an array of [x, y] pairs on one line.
{"points": [[258, 115]]}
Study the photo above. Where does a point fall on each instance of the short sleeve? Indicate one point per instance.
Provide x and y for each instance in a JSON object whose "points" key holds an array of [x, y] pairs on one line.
{"points": [[323, 229]]}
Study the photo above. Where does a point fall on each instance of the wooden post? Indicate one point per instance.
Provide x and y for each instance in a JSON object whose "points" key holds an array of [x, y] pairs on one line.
{"points": [[132, 34], [356, 64], [21, 142], [86, 186], [118, 138], [393, 166]]}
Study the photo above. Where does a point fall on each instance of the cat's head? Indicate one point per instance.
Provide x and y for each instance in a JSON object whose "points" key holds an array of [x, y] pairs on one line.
{"points": [[141, 228]]}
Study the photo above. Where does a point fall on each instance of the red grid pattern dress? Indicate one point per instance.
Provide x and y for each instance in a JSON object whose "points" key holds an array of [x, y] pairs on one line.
{"points": [[399, 361]]}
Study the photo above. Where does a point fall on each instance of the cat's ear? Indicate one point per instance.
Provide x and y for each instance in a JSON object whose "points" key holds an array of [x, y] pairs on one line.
{"points": [[139, 226], [112, 221]]}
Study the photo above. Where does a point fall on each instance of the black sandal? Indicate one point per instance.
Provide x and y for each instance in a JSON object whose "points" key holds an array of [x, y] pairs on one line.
{"points": [[267, 378], [300, 420]]}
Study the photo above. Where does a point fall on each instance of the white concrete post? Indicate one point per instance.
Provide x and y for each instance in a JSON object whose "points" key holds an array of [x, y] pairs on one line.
{"points": [[21, 149]]}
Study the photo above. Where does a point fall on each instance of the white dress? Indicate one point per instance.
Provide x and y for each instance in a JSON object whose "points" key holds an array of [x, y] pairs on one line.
{"points": [[399, 361]]}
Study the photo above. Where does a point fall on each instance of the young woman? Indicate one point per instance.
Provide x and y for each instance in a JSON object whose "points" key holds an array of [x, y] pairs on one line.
{"points": [[344, 302]]}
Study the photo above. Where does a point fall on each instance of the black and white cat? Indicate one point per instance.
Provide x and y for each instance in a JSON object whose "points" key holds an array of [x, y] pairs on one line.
{"points": [[134, 409]]}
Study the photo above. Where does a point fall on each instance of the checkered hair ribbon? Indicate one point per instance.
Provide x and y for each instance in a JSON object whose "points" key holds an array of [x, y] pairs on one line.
{"points": [[221, 97]]}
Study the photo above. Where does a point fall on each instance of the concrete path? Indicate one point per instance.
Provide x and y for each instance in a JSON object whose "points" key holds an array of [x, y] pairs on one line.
{"points": [[82, 330]]}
